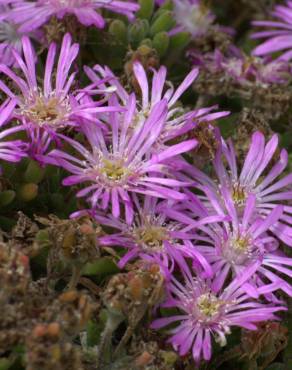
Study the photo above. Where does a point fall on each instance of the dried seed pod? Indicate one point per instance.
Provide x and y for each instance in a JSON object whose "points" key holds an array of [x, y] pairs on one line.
{"points": [[131, 295], [14, 272], [47, 350], [73, 241], [73, 310]]}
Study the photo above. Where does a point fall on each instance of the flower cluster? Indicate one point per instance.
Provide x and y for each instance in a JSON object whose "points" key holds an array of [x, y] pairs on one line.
{"points": [[126, 144]]}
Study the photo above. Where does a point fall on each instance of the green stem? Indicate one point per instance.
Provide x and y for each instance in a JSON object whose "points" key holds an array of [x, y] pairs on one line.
{"points": [[113, 321], [76, 271]]}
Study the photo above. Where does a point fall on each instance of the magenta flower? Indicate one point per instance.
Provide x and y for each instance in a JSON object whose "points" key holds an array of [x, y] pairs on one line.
{"points": [[116, 163], [254, 178], [279, 36], [207, 313], [178, 121], [10, 150], [31, 15], [10, 38], [235, 244], [44, 109], [153, 236]]}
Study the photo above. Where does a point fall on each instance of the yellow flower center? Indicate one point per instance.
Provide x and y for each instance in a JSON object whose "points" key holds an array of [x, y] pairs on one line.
{"points": [[46, 110], [114, 170], [152, 236], [240, 244], [238, 194], [209, 305]]}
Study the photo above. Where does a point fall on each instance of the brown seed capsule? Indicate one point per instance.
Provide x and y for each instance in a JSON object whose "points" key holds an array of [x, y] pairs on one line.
{"points": [[39, 331], [144, 359], [68, 296], [136, 288], [53, 329]]}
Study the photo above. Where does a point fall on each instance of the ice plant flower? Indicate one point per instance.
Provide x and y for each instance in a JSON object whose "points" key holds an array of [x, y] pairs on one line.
{"points": [[10, 150], [45, 108], [192, 16], [279, 36], [206, 313], [178, 121], [243, 239], [247, 71], [114, 164], [10, 38], [255, 178], [153, 236], [31, 15]]}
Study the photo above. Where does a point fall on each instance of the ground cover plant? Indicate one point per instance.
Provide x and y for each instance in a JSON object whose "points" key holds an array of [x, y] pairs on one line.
{"points": [[145, 185]]}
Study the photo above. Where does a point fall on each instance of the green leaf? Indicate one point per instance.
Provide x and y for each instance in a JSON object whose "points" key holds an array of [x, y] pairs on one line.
{"points": [[146, 9], [119, 30], [57, 201], [277, 366], [102, 267], [6, 223], [28, 192], [161, 43], [34, 173], [138, 31], [42, 238], [93, 330], [6, 197], [179, 40], [168, 4], [5, 363], [163, 23], [147, 42]]}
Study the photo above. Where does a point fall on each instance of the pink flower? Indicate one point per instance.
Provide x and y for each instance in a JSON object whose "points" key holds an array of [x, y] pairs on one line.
{"points": [[10, 37], [10, 150], [154, 236], [279, 37], [45, 109], [31, 15], [206, 313], [240, 240], [118, 162], [178, 120], [254, 178]]}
